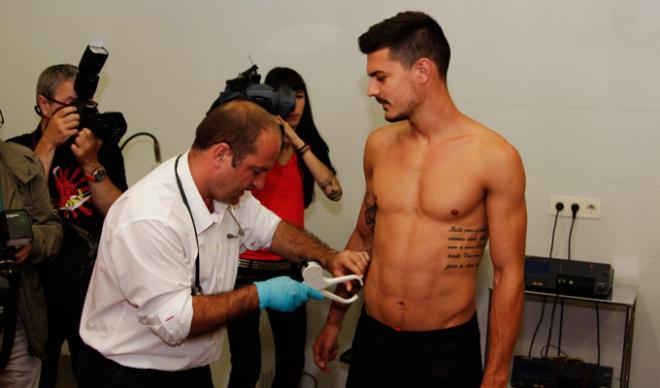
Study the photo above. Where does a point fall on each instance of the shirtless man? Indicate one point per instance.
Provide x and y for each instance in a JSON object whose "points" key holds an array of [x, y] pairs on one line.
{"points": [[439, 185]]}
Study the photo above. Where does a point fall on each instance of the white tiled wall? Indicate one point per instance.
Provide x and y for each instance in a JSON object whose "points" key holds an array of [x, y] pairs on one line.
{"points": [[574, 85]]}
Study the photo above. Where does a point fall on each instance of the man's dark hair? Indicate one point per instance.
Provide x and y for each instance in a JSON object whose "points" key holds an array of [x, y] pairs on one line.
{"points": [[237, 123], [409, 36]]}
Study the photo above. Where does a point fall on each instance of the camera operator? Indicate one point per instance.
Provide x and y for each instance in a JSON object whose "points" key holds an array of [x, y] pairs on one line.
{"points": [[24, 187], [85, 176]]}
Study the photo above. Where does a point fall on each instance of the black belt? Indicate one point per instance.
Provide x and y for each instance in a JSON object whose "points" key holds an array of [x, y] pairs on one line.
{"points": [[265, 265]]}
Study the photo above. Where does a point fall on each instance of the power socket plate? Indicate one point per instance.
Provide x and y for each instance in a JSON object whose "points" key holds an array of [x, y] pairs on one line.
{"points": [[589, 206]]}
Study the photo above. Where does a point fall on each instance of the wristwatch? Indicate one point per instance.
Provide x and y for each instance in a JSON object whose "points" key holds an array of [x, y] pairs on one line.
{"points": [[97, 175]]}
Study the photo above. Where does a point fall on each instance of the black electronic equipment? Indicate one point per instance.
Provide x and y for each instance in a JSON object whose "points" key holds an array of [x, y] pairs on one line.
{"points": [[15, 231], [568, 277], [534, 372], [108, 126], [247, 87]]}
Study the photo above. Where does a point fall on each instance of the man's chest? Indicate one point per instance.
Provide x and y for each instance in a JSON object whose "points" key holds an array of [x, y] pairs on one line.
{"points": [[442, 187]]}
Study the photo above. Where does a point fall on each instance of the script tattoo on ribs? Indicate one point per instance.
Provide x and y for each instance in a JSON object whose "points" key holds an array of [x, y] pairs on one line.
{"points": [[465, 247]]}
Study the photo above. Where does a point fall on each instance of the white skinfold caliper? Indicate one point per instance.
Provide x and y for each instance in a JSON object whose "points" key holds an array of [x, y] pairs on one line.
{"points": [[313, 276]]}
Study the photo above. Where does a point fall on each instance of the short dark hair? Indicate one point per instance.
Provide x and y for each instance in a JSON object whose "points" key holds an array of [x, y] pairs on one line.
{"points": [[53, 76], [237, 123], [409, 35]]}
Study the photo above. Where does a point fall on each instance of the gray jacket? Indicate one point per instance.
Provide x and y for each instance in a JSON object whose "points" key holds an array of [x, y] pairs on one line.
{"points": [[24, 186]]}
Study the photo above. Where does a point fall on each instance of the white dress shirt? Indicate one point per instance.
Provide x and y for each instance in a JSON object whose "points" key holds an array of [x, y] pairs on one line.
{"points": [[138, 308]]}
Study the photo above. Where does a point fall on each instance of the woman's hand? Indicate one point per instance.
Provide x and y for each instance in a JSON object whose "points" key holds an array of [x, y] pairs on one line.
{"points": [[290, 135]]}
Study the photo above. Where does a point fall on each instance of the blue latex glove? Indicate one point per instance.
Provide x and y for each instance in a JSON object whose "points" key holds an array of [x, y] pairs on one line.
{"points": [[284, 294]]}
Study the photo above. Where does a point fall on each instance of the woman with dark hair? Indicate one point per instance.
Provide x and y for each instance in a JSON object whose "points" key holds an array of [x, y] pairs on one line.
{"points": [[289, 189]]}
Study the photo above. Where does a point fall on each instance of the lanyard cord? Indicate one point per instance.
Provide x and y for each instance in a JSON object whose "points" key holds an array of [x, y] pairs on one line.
{"points": [[196, 289]]}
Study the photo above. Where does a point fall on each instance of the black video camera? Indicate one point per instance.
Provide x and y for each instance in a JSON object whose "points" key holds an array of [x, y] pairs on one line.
{"points": [[247, 87], [108, 126], [15, 231]]}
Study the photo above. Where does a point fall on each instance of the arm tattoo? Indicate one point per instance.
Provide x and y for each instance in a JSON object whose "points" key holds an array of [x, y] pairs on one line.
{"points": [[370, 210], [333, 194], [326, 182]]}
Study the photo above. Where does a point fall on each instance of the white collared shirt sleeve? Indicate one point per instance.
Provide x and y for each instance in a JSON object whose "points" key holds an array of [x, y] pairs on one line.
{"points": [[154, 275], [258, 222]]}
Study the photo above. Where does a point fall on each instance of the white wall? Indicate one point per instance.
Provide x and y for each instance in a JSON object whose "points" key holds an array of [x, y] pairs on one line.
{"points": [[573, 85]]}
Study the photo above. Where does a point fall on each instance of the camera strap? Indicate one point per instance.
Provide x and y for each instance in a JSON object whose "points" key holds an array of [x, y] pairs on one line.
{"points": [[196, 289]]}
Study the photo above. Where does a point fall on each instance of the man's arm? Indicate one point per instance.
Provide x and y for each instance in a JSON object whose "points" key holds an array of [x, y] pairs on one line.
{"points": [[507, 225], [46, 226], [326, 345], [298, 244], [86, 148], [213, 311], [147, 261], [58, 130]]}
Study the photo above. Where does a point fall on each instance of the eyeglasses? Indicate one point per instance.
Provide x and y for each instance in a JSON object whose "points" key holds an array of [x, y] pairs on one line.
{"points": [[51, 99], [2, 119], [240, 232]]}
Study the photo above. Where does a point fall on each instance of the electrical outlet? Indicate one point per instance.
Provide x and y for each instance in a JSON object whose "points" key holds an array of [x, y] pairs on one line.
{"points": [[589, 207]]}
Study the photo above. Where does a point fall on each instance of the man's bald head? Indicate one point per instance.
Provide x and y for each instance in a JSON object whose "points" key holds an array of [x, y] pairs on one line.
{"points": [[237, 123]]}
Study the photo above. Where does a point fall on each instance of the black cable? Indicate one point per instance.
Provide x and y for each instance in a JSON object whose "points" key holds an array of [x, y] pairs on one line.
{"points": [[597, 332], [559, 206], [552, 319], [156, 144], [562, 354], [538, 325], [574, 210], [544, 355], [561, 326], [314, 380]]}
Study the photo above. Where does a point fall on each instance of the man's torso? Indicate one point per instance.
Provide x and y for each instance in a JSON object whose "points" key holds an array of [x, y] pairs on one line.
{"points": [[431, 226], [69, 189]]}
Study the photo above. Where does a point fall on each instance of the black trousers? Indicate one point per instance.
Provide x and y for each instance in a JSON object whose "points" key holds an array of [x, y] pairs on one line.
{"points": [[384, 357], [65, 284], [289, 334], [96, 371]]}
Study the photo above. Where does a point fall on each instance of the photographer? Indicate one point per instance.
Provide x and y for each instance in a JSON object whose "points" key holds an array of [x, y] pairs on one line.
{"points": [[85, 176], [24, 187]]}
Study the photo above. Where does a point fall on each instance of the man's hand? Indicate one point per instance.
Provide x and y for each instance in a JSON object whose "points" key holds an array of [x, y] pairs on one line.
{"points": [[349, 262], [61, 126], [325, 347], [23, 252], [86, 148], [284, 294]]}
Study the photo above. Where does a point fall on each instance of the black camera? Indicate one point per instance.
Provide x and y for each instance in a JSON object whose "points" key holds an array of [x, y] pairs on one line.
{"points": [[108, 126], [247, 87], [15, 231]]}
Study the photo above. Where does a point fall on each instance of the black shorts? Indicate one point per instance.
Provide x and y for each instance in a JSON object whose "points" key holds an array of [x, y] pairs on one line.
{"points": [[384, 357]]}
